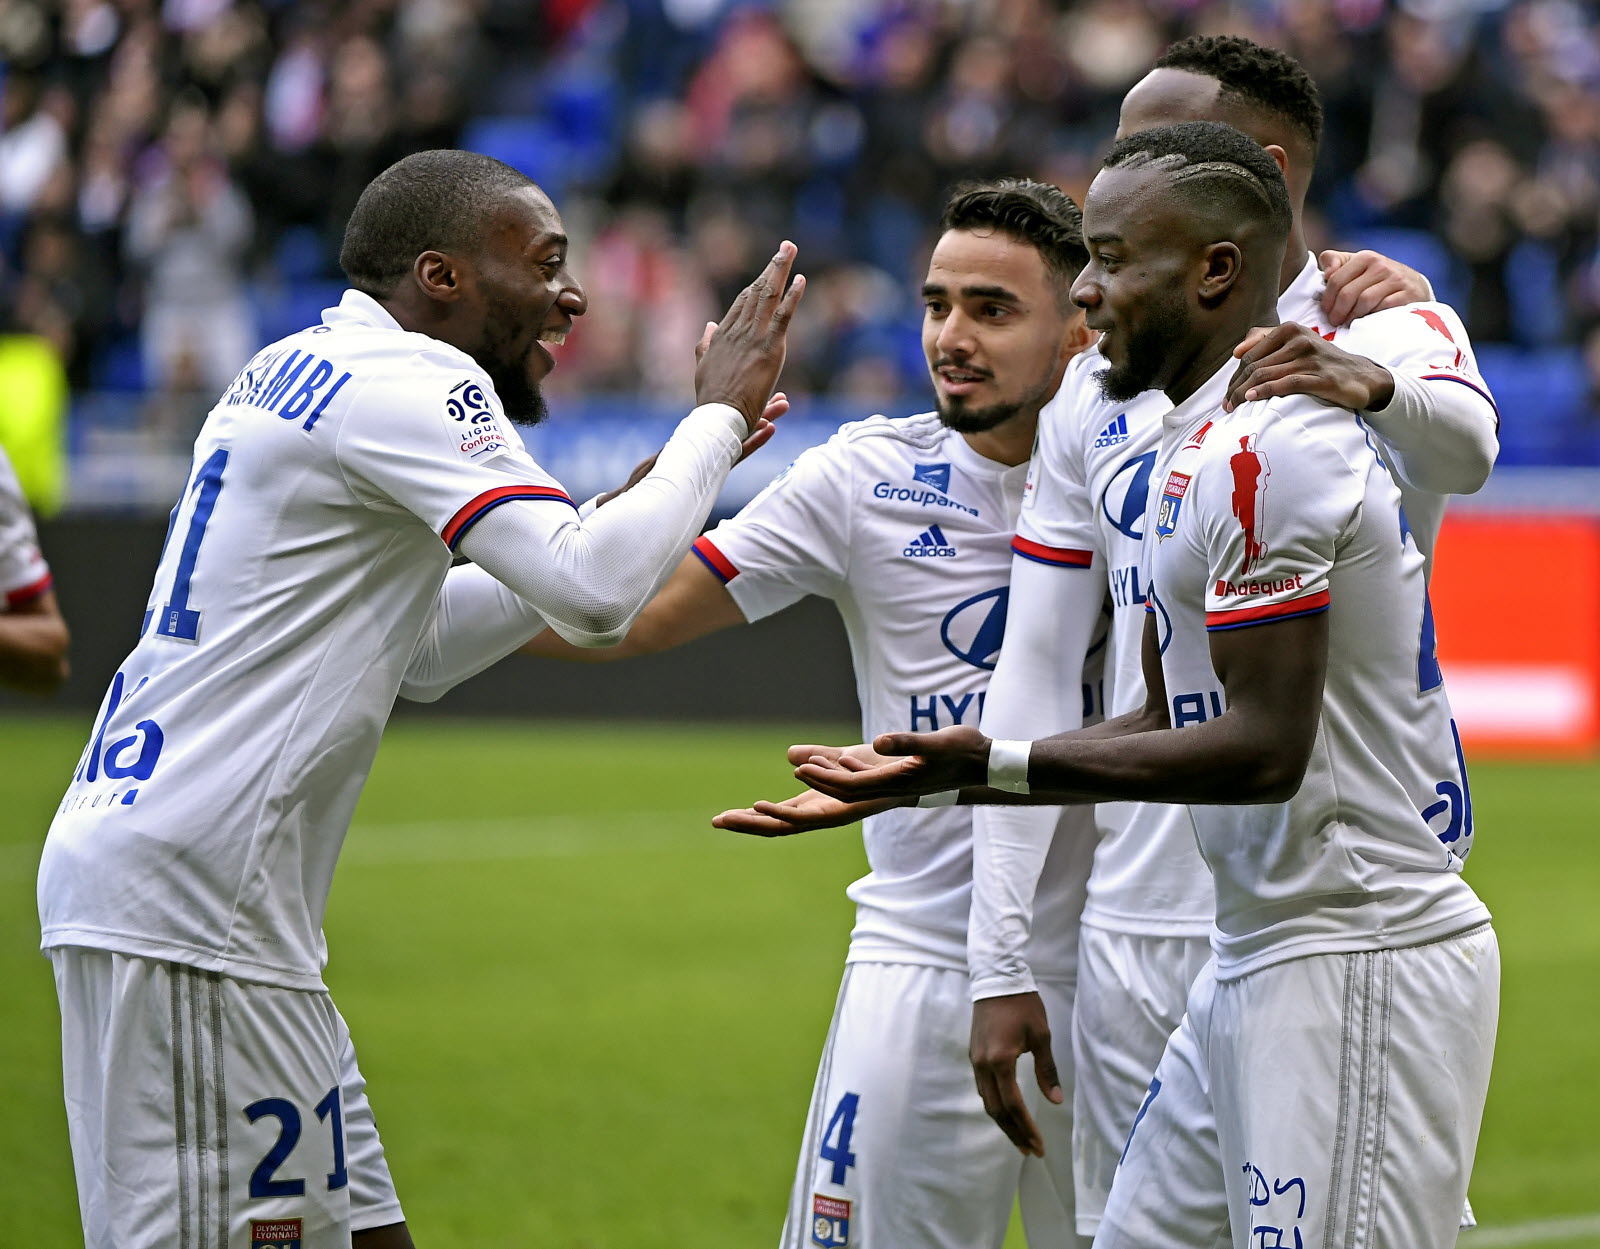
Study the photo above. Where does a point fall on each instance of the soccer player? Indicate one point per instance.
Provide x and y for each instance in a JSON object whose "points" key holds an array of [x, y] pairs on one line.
{"points": [[212, 1093], [33, 636], [1149, 906], [1326, 1084], [906, 525]]}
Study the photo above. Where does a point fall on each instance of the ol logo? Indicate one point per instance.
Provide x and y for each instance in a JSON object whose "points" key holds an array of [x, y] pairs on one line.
{"points": [[974, 628], [1126, 497], [830, 1222]]}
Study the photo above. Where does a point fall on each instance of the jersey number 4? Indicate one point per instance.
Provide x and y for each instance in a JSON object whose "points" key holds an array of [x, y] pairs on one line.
{"points": [[176, 618], [835, 1147]]}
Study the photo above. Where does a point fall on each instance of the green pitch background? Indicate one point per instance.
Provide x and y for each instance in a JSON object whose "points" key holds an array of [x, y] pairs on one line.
{"points": [[590, 1021]]}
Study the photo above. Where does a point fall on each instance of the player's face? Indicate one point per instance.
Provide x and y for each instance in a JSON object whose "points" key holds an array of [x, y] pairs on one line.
{"points": [[1134, 290], [526, 297], [994, 329]]}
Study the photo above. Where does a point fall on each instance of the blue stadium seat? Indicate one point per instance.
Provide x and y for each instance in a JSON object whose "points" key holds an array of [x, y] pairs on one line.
{"points": [[533, 145], [1542, 399]]}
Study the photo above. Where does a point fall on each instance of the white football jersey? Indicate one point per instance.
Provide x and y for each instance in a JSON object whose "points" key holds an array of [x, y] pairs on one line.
{"points": [[1086, 494], [908, 530], [24, 575], [1280, 509], [331, 483]]}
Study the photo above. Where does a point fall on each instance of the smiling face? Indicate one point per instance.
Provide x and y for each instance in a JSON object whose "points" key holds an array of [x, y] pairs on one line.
{"points": [[995, 329], [1136, 289], [522, 294]]}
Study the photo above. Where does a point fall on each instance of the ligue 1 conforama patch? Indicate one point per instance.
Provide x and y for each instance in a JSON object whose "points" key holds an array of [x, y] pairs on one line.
{"points": [[830, 1222], [275, 1233], [472, 422]]}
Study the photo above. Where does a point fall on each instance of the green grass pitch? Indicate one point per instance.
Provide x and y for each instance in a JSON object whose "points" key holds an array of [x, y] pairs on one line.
{"points": [[590, 1021]]}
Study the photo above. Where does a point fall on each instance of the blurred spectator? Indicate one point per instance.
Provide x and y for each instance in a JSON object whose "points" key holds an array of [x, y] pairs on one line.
{"points": [[178, 172], [188, 227]]}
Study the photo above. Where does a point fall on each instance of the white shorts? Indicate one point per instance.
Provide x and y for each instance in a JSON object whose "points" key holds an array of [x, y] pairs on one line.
{"points": [[898, 1152], [209, 1113], [1131, 995], [1331, 1100]]}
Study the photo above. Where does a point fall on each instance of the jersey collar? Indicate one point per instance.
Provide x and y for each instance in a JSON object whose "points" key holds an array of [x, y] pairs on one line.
{"points": [[1302, 301], [359, 308], [1205, 403]]}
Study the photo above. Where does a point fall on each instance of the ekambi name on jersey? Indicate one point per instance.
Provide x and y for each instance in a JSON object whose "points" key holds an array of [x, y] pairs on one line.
{"points": [[269, 383]]}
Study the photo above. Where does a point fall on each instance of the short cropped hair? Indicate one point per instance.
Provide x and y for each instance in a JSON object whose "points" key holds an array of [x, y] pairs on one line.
{"points": [[1223, 171], [429, 201], [1260, 77], [1035, 213]]}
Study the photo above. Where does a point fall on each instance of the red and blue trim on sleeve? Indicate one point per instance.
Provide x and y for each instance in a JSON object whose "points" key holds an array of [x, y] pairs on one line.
{"points": [[1267, 613], [1055, 556], [27, 593], [486, 502], [719, 564], [1470, 385]]}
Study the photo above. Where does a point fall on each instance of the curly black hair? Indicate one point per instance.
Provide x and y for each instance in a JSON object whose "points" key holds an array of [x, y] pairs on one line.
{"points": [[429, 201], [1035, 213], [1226, 171], [1261, 77]]}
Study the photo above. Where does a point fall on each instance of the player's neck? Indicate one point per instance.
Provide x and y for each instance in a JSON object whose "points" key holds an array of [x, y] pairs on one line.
{"points": [[1009, 443], [1214, 348], [1294, 257]]}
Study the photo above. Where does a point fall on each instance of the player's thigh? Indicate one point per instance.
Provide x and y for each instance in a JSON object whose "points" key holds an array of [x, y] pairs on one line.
{"points": [[1131, 994], [898, 1152], [1353, 1092], [200, 1108], [1170, 1188], [1046, 1193], [373, 1202]]}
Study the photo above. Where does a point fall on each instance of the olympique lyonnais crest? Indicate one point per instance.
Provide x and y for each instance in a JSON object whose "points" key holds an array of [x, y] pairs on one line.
{"points": [[1171, 503], [830, 1222], [275, 1233]]}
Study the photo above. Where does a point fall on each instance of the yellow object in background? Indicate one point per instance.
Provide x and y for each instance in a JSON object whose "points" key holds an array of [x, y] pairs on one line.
{"points": [[33, 418]]}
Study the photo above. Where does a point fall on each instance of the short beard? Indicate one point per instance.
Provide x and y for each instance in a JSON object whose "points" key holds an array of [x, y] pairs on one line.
{"points": [[521, 400], [1148, 353], [964, 420]]}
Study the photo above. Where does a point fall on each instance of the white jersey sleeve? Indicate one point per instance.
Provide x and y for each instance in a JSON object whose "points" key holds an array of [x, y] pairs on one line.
{"points": [[1441, 427], [1282, 482], [792, 539], [23, 573], [1035, 691]]}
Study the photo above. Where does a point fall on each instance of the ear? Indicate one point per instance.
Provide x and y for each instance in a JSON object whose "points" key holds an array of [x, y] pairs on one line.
{"points": [[1078, 337], [438, 276], [1220, 267], [1279, 157]]}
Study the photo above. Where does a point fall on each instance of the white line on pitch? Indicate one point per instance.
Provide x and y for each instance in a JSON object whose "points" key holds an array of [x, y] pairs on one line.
{"points": [[1533, 1232]]}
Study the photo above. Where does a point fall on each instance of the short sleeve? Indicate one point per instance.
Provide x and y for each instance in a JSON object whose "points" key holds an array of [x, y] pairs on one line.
{"points": [[24, 575], [792, 539], [1426, 341], [434, 442], [1275, 501], [1056, 524]]}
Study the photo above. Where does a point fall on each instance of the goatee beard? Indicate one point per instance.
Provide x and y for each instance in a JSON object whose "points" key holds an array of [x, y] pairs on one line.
{"points": [[975, 420], [521, 400]]}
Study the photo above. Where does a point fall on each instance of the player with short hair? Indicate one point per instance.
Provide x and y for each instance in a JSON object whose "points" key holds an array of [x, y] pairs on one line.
{"points": [[212, 1091], [1149, 902], [906, 524], [33, 636], [1327, 1082]]}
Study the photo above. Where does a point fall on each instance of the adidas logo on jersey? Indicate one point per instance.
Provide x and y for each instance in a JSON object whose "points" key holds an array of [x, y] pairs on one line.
{"points": [[930, 544], [1114, 433]]}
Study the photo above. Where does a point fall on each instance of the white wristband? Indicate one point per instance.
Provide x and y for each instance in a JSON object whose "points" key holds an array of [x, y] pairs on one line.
{"points": [[945, 798], [1008, 766]]}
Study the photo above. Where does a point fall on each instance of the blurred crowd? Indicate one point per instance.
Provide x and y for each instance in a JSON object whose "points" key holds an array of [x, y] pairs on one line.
{"points": [[175, 174]]}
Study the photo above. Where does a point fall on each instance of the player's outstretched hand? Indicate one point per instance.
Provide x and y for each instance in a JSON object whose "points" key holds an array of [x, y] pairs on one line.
{"points": [[1003, 1029], [923, 763], [806, 812], [776, 407], [741, 357], [1359, 283], [1290, 359]]}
